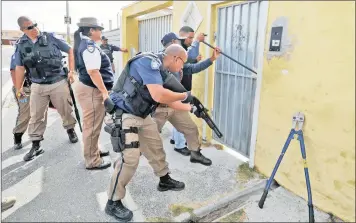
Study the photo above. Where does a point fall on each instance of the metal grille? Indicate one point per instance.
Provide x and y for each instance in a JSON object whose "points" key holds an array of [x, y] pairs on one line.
{"points": [[234, 90], [151, 32]]}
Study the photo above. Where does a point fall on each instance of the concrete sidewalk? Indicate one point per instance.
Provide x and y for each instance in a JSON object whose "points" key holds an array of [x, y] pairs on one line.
{"points": [[280, 206]]}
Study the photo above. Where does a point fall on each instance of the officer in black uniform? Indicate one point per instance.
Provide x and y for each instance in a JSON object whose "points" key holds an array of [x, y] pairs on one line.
{"points": [[108, 49], [40, 53]]}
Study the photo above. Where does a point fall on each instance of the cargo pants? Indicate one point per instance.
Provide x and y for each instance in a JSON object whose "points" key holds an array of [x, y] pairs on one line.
{"points": [[91, 102], [151, 147], [41, 94], [182, 121]]}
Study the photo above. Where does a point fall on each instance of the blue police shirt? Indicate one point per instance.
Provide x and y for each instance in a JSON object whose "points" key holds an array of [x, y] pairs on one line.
{"points": [[144, 73], [58, 40], [12, 63]]}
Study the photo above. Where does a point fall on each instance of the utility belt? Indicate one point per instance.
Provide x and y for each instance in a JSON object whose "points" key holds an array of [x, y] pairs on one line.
{"points": [[163, 106], [48, 82], [118, 135]]}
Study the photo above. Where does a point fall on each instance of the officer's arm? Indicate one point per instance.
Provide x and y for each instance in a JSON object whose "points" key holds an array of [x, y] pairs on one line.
{"points": [[193, 51], [19, 71], [65, 47], [151, 77], [12, 69], [163, 95], [92, 61], [115, 48], [189, 69]]}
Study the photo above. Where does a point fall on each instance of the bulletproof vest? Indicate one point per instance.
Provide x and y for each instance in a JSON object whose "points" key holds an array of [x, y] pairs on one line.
{"points": [[42, 59], [107, 50], [134, 93]]}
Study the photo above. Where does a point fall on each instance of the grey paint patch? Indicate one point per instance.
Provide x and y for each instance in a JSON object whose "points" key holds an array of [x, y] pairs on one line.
{"points": [[286, 43]]}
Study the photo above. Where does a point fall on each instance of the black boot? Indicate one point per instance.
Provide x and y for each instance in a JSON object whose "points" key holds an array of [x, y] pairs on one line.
{"points": [[172, 141], [197, 157], [167, 183], [185, 151], [118, 210], [72, 136], [34, 151], [18, 140]]}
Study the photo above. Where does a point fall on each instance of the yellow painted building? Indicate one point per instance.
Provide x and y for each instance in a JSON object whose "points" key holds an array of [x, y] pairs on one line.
{"points": [[315, 74]]}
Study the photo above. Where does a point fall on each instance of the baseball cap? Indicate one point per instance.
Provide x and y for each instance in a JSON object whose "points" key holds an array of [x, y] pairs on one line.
{"points": [[104, 38], [169, 37]]}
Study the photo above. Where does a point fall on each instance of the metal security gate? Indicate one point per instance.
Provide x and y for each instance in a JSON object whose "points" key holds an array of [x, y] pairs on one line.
{"points": [[151, 32], [234, 90]]}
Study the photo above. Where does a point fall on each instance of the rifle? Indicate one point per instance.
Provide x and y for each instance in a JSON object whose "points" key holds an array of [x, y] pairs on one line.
{"points": [[73, 99], [172, 83], [203, 113]]}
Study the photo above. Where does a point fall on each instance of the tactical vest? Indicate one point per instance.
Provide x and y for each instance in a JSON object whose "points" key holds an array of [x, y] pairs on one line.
{"points": [[108, 51], [105, 69], [43, 59]]}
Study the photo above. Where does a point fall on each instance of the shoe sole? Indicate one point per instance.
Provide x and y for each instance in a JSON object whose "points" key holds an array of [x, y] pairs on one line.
{"points": [[73, 141], [183, 153], [99, 168], [36, 153], [167, 189], [117, 218], [193, 161], [104, 154]]}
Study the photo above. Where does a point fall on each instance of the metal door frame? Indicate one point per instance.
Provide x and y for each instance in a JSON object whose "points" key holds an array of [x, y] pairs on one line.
{"points": [[262, 26]]}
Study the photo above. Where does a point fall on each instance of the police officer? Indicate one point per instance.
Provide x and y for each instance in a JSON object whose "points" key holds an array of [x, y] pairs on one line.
{"points": [[109, 49], [139, 89], [194, 56], [40, 53], [179, 118], [96, 79]]}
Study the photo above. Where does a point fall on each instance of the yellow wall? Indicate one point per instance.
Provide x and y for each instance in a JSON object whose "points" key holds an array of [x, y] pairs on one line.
{"points": [[316, 76], [321, 83]]}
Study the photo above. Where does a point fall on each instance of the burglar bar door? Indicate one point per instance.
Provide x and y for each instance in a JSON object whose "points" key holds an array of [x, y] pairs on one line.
{"points": [[151, 32], [234, 86]]}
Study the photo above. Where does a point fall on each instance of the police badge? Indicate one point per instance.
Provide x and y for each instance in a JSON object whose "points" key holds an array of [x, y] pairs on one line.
{"points": [[154, 65], [90, 48]]}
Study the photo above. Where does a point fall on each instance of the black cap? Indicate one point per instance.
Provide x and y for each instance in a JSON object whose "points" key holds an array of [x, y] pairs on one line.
{"points": [[169, 37], [104, 38]]}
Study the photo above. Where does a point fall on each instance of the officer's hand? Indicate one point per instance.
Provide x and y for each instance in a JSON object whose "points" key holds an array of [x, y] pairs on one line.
{"points": [[197, 112], [198, 58], [216, 54], [71, 77], [200, 37], [105, 96], [189, 98], [124, 50], [20, 94]]}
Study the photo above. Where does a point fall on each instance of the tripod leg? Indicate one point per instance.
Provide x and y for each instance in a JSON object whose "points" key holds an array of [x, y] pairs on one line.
{"points": [[269, 182], [310, 201]]}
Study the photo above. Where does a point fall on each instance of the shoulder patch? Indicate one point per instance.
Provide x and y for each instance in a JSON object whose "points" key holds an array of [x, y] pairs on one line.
{"points": [[57, 36], [154, 65], [91, 47]]}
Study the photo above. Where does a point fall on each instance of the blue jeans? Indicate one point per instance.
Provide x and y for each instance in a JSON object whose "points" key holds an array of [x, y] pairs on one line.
{"points": [[178, 139]]}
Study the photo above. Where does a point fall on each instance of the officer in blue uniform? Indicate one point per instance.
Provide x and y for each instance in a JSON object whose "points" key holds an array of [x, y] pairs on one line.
{"points": [[143, 84], [109, 50], [96, 79], [40, 53]]}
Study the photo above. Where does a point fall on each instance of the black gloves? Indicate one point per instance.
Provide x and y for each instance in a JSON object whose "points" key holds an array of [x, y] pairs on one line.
{"points": [[109, 106]]}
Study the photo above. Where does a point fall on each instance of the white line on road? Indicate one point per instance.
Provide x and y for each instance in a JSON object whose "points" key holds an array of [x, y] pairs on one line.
{"points": [[25, 191]]}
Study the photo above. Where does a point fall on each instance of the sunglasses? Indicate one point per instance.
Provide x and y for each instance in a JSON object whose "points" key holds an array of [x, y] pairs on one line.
{"points": [[180, 59], [31, 27]]}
